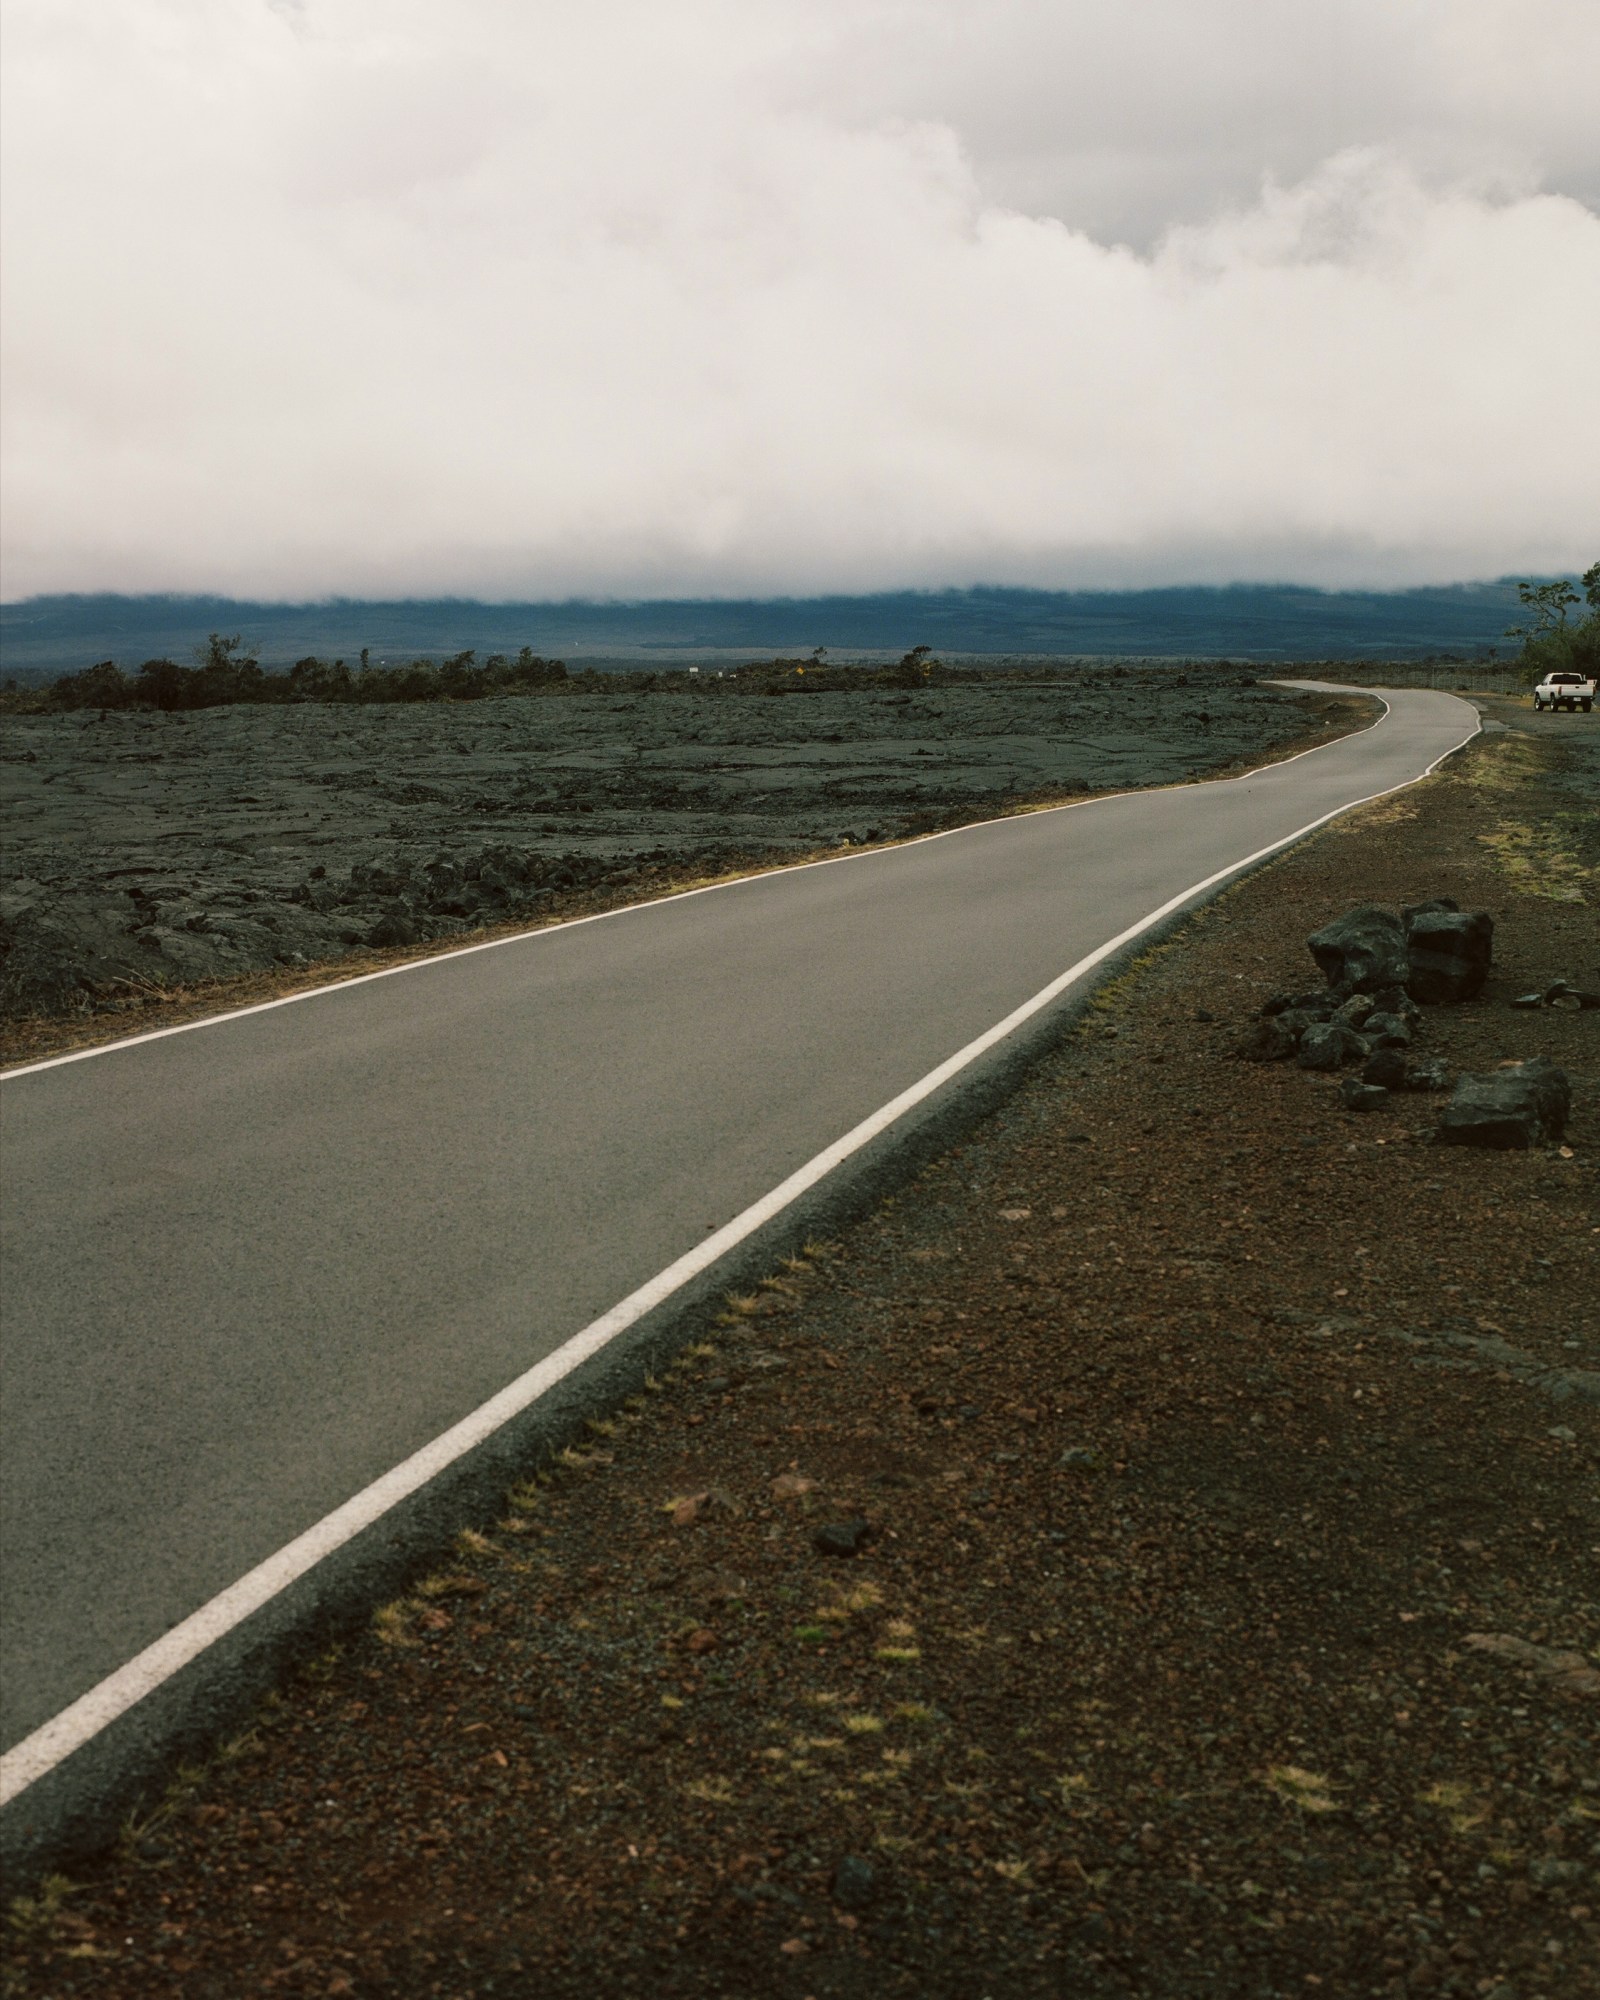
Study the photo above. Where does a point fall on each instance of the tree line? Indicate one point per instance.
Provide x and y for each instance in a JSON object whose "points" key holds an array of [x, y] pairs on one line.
{"points": [[225, 673]]}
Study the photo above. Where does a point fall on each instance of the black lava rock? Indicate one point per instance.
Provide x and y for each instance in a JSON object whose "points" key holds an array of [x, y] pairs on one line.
{"points": [[1358, 1096], [1561, 994], [1330, 1045], [1449, 951], [1509, 1109], [392, 930], [843, 1538], [1320, 1004], [1271, 1040], [1396, 1000], [1386, 1031], [1365, 949], [1385, 1068]]}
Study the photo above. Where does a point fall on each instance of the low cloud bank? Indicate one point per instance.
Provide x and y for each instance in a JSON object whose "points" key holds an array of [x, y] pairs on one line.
{"points": [[407, 301]]}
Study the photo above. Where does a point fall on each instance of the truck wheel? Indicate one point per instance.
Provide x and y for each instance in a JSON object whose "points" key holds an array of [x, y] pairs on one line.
{"points": [[1587, 706]]}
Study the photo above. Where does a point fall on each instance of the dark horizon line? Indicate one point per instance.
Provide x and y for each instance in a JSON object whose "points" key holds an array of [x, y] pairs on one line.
{"points": [[337, 599]]}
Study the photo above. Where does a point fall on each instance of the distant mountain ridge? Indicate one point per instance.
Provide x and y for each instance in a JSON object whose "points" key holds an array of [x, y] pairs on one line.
{"points": [[44, 636]]}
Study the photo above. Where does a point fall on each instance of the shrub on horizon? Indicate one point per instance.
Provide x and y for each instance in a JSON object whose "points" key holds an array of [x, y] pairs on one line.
{"points": [[1554, 643]]}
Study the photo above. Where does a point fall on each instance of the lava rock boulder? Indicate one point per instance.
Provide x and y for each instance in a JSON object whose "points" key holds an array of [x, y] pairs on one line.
{"points": [[1363, 950], [1526, 1104], [1448, 951]]}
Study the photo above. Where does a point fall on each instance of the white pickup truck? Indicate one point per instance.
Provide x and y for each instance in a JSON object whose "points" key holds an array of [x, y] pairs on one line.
{"points": [[1564, 690]]}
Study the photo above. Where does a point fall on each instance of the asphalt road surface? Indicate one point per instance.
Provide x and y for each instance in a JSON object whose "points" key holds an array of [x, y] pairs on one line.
{"points": [[249, 1268]]}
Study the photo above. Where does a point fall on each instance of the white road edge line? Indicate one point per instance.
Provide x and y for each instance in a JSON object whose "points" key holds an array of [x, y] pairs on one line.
{"points": [[54, 1741], [679, 896]]}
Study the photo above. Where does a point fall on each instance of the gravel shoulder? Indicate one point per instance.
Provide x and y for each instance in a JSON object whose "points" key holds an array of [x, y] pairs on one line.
{"points": [[160, 866], [1223, 1621]]}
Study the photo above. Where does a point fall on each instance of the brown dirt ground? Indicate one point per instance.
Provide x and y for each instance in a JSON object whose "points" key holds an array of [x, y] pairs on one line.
{"points": [[1284, 1684]]}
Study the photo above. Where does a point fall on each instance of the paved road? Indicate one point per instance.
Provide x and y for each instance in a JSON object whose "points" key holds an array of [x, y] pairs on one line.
{"points": [[249, 1268]]}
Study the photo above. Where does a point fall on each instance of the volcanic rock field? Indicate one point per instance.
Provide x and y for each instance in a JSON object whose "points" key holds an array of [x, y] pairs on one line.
{"points": [[147, 851]]}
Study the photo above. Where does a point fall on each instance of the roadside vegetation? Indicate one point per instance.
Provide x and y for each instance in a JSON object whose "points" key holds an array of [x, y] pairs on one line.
{"points": [[1553, 641]]}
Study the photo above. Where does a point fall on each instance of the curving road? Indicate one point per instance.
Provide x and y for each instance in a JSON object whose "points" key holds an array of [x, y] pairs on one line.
{"points": [[250, 1267]]}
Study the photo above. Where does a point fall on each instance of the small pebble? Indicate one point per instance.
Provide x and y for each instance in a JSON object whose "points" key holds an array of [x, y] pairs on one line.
{"points": [[855, 1882]]}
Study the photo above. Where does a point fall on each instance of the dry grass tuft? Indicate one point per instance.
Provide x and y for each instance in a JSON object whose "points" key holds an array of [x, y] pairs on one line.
{"points": [[449, 1583], [1464, 1812], [710, 1791], [1303, 1789], [36, 1915], [394, 1624], [916, 1715]]}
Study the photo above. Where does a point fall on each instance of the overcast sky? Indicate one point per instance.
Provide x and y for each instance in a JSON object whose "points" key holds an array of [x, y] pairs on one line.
{"points": [[514, 298]]}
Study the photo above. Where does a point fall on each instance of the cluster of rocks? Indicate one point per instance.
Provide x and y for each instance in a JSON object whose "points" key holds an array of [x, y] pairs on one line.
{"points": [[1560, 993], [1378, 968], [1381, 969]]}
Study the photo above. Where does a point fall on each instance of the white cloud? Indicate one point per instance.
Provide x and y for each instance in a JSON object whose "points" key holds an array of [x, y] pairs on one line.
{"points": [[1124, 118], [785, 295]]}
